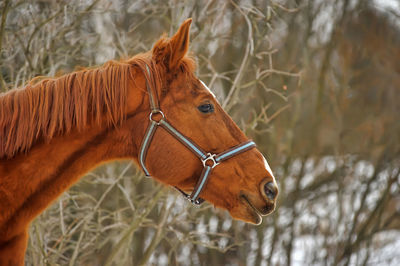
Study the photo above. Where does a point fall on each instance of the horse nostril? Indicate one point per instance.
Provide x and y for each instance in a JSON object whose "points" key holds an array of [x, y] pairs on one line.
{"points": [[270, 190]]}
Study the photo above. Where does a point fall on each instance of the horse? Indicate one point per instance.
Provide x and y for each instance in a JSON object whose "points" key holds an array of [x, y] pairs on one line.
{"points": [[151, 109]]}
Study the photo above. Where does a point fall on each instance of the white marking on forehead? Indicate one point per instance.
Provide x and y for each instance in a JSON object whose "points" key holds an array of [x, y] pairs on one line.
{"points": [[268, 168], [207, 88]]}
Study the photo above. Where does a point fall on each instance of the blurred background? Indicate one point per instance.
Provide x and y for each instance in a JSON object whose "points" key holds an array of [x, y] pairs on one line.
{"points": [[315, 83]]}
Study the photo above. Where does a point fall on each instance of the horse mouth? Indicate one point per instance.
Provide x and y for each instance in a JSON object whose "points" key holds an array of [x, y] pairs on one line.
{"points": [[254, 211]]}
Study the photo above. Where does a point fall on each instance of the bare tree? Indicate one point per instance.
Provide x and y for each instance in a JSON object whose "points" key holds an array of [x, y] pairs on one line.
{"points": [[314, 83]]}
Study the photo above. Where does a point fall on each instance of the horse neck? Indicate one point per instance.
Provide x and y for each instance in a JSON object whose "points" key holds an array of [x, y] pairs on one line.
{"points": [[31, 181]]}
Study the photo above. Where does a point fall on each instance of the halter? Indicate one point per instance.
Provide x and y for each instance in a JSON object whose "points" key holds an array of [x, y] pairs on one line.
{"points": [[209, 160]]}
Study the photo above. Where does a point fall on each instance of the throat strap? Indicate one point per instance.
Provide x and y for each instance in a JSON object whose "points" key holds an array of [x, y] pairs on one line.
{"points": [[151, 129]]}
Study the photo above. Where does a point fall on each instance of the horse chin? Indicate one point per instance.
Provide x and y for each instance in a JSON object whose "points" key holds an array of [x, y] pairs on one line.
{"points": [[256, 218], [246, 212], [253, 214]]}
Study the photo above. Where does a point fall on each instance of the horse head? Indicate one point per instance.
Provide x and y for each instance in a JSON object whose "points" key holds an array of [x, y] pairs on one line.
{"points": [[244, 184]]}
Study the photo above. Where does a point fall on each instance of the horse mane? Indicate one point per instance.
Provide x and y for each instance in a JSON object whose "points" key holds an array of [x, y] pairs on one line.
{"points": [[53, 106]]}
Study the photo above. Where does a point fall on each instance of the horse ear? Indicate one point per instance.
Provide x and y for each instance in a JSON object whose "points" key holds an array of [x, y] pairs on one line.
{"points": [[173, 50], [180, 43]]}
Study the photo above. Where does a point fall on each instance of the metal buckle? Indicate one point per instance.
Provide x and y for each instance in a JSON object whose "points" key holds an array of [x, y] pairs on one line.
{"points": [[156, 112], [197, 201], [210, 157]]}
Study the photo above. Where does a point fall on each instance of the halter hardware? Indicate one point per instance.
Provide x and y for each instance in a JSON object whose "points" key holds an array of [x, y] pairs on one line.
{"points": [[155, 112], [209, 160], [210, 157]]}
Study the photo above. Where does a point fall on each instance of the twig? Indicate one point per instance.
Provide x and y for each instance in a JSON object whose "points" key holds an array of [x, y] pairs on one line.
{"points": [[248, 50], [134, 226]]}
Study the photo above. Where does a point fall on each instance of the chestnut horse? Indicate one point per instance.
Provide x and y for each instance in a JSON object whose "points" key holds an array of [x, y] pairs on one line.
{"points": [[55, 130]]}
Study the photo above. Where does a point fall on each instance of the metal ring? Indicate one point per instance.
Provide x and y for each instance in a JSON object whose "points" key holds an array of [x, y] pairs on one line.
{"points": [[210, 157], [156, 112]]}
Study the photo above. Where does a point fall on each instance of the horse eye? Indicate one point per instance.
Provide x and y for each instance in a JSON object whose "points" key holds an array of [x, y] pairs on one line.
{"points": [[206, 108]]}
